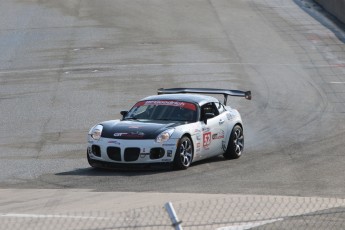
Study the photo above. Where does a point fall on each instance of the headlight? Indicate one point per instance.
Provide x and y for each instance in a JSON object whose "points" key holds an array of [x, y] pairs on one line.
{"points": [[96, 132], [164, 136]]}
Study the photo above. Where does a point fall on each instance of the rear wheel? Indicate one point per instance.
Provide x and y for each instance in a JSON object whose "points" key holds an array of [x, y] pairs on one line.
{"points": [[184, 153], [236, 143]]}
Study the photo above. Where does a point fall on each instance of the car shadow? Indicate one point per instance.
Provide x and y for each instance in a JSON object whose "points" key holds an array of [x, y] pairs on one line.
{"points": [[214, 159], [89, 171]]}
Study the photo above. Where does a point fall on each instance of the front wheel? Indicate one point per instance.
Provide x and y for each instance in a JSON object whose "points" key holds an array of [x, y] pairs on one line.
{"points": [[90, 161], [236, 143], [184, 153]]}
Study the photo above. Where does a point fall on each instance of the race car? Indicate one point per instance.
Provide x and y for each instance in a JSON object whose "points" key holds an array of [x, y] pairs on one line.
{"points": [[178, 126]]}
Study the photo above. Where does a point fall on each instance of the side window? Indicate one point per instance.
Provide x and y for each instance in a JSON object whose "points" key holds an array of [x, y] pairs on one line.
{"points": [[220, 107], [209, 108]]}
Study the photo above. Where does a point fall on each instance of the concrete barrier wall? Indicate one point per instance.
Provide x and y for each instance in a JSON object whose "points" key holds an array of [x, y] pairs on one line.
{"points": [[335, 7]]}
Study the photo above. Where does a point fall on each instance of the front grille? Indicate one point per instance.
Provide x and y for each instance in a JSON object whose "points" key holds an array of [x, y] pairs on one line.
{"points": [[96, 150], [114, 153], [131, 154], [156, 153]]}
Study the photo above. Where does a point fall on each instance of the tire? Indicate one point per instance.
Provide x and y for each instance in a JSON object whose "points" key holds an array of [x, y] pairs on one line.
{"points": [[184, 153], [90, 161], [236, 143]]}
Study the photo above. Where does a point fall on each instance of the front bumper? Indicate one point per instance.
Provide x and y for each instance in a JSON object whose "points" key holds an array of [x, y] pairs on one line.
{"points": [[126, 166], [131, 152]]}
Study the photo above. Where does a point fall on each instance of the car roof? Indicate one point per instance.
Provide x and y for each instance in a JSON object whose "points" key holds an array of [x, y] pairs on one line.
{"points": [[193, 98]]}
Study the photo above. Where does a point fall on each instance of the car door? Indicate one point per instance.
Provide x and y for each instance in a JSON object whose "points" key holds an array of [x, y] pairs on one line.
{"points": [[213, 131]]}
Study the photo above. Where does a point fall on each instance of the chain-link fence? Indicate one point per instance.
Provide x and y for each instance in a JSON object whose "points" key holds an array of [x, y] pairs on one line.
{"points": [[229, 213]]}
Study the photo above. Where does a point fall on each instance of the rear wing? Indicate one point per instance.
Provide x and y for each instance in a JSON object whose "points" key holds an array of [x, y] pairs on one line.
{"points": [[226, 92]]}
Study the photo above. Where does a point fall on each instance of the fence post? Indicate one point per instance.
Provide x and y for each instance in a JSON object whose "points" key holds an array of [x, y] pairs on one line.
{"points": [[173, 217]]}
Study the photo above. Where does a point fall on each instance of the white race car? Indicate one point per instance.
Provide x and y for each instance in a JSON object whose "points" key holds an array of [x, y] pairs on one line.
{"points": [[178, 126]]}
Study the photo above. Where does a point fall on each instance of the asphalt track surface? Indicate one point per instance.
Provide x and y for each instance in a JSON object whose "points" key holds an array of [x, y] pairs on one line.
{"points": [[66, 65]]}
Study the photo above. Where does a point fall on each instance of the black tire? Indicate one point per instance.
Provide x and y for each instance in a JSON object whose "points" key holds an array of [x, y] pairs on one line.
{"points": [[184, 153], [91, 162], [236, 143]]}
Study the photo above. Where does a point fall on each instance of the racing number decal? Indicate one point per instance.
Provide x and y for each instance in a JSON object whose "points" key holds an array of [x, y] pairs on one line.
{"points": [[207, 139]]}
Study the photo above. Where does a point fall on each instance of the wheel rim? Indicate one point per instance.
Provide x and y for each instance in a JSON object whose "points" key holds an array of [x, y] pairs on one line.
{"points": [[186, 152], [238, 142]]}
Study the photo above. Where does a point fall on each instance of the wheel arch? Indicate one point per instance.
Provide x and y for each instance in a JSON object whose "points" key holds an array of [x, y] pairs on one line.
{"points": [[177, 158], [239, 124], [186, 134], [230, 130], [191, 139]]}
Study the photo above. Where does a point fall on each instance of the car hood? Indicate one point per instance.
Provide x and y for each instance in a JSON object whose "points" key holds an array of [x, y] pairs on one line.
{"points": [[135, 129]]}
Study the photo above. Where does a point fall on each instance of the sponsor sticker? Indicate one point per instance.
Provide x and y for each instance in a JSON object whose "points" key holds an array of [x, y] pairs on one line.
{"points": [[134, 127], [136, 134], [119, 134], [114, 142], [181, 104], [206, 129], [206, 139], [219, 135], [143, 155], [198, 136], [169, 153]]}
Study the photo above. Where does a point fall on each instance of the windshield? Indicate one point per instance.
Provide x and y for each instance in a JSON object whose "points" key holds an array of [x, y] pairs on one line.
{"points": [[163, 110]]}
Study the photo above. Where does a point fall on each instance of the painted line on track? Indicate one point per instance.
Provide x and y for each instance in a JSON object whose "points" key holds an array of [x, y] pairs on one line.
{"points": [[21, 215]]}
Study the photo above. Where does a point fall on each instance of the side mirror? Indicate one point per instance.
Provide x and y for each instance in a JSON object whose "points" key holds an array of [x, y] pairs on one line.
{"points": [[208, 116], [123, 113]]}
